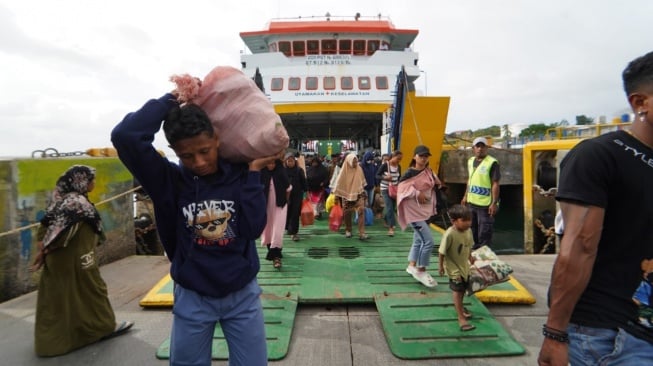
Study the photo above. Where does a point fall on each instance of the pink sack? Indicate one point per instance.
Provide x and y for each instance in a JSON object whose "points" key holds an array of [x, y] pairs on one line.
{"points": [[243, 116]]}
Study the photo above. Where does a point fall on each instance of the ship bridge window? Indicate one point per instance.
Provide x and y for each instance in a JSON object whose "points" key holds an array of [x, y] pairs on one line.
{"points": [[364, 82], [344, 47], [329, 46], [381, 82], [276, 84], [329, 82], [311, 83], [298, 48], [372, 46], [347, 83], [312, 47], [284, 47], [273, 47], [359, 47], [294, 83]]}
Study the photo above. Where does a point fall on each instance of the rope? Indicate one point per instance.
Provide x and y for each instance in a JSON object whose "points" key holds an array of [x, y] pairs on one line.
{"points": [[412, 111], [549, 234], [30, 226]]}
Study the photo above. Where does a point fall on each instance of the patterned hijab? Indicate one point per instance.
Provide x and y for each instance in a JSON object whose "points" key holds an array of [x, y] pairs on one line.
{"points": [[70, 204], [351, 180]]}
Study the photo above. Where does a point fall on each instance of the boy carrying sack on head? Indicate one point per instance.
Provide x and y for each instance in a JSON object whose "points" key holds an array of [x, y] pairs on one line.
{"points": [[455, 258]]}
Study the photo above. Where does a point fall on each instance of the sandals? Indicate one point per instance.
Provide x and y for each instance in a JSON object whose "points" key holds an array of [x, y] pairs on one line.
{"points": [[295, 237], [391, 232], [467, 327], [347, 234], [276, 263], [121, 329], [467, 314], [363, 237]]}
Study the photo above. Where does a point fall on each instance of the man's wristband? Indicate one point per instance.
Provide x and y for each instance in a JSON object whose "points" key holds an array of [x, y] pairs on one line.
{"points": [[555, 334]]}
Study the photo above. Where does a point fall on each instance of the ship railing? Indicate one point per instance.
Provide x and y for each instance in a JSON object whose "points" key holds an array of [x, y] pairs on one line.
{"points": [[584, 131], [556, 133], [329, 17], [34, 225]]}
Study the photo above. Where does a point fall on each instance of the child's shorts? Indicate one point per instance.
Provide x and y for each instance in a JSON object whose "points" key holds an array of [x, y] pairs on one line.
{"points": [[458, 284]]}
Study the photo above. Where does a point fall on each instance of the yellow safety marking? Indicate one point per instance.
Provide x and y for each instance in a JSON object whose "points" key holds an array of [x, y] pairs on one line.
{"points": [[155, 298], [518, 296]]}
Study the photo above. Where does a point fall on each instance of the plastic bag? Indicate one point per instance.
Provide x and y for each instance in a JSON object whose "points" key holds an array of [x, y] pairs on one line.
{"points": [[369, 217], [307, 214], [335, 218], [243, 116], [330, 201]]}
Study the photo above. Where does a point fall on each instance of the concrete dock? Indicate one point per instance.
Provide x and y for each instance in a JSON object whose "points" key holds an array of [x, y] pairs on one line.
{"points": [[323, 335]]}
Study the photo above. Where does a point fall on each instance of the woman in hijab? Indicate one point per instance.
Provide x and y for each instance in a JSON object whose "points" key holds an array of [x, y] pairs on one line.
{"points": [[297, 180], [277, 191], [72, 306], [350, 189], [317, 179]]}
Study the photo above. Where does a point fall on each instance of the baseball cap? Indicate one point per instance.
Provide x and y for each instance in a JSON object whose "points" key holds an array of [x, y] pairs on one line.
{"points": [[481, 140], [422, 150]]}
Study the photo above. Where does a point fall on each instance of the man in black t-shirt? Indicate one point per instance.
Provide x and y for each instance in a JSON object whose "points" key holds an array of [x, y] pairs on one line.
{"points": [[606, 198]]}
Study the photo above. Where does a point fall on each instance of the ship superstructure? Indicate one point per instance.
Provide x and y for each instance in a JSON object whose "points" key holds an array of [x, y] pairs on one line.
{"points": [[332, 79]]}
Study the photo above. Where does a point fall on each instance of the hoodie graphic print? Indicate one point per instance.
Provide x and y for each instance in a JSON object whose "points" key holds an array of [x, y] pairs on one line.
{"points": [[210, 222]]}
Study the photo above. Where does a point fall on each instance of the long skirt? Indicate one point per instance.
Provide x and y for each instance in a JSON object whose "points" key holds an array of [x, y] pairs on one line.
{"points": [[72, 306], [276, 224]]}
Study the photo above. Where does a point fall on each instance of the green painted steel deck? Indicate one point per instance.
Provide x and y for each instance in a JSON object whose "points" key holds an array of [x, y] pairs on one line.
{"points": [[324, 267], [279, 314]]}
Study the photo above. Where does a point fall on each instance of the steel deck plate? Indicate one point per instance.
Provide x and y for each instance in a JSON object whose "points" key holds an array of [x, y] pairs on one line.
{"points": [[420, 326], [279, 313], [326, 268]]}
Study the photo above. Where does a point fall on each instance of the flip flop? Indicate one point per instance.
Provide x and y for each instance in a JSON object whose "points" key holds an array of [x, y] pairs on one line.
{"points": [[467, 327], [467, 314], [121, 329], [276, 263]]}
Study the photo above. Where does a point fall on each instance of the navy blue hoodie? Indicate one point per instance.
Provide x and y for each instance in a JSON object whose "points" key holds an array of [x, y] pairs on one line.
{"points": [[207, 224], [369, 170]]}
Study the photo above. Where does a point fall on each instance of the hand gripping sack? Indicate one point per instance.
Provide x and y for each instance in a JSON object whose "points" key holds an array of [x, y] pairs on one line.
{"points": [[244, 118]]}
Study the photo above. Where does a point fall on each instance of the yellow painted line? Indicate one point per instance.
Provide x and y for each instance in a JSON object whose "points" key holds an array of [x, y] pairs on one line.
{"points": [[519, 296], [156, 299], [437, 228]]}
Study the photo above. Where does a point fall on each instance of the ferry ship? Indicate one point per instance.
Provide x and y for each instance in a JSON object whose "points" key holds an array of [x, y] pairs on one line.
{"points": [[345, 84]]}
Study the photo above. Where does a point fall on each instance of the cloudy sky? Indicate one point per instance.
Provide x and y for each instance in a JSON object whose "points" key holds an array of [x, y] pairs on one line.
{"points": [[70, 70]]}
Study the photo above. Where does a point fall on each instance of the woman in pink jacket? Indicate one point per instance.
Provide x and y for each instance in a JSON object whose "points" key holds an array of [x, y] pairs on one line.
{"points": [[416, 203]]}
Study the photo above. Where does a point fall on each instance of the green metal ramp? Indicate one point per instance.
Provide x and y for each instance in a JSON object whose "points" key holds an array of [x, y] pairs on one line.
{"points": [[326, 268], [279, 314], [425, 325]]}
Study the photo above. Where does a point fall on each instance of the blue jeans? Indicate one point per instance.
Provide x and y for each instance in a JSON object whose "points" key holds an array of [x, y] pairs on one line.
{"points": [[598, 346], [390, 209], [482, 226], [240, 315], [370, 197], [420, 251]]}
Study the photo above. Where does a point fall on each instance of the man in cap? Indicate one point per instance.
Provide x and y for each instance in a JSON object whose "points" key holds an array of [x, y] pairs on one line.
{"points": [[482, 192]]}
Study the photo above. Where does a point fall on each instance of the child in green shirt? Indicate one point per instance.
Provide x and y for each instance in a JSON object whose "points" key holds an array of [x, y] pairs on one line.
{"points": [[455, 258]]}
